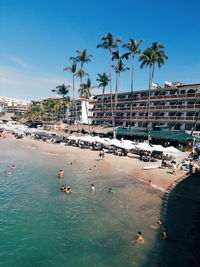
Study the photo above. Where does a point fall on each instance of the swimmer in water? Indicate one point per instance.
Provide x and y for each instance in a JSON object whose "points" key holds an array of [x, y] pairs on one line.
{"points": [[61, 174], [157, 225], [69, 191], [62, 188], [7, 173], [12, 166], [110, 190], [92, 188], [140, 238], [164, 234]]}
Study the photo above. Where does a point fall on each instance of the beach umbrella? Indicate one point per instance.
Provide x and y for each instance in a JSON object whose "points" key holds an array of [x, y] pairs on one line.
{"points": [[72, 137]]}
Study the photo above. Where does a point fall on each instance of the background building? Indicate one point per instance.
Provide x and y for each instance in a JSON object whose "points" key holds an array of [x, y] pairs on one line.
{"points": [[176, 106]]}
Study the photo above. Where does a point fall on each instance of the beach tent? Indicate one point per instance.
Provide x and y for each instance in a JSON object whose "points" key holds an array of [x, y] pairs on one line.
{"points": [[158, 148], [123, 144], [171, 151], [72, 137], [100, 140], [144, 146]]}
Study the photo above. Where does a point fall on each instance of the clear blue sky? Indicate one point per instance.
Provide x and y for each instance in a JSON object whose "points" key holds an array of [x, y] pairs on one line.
{"points": [[39, 36]]}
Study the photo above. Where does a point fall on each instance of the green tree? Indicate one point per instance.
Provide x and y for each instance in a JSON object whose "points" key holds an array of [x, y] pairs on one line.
{"points": [[82, 58], [85, 91], [103, 80], [63, 90], [149, 58], [72, 69], [133, 48], [109, 43], [119, 67]]}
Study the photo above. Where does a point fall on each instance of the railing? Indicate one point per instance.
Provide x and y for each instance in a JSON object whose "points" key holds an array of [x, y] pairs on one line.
{"points": [[159, 97], [152, 118], [172, 107]]}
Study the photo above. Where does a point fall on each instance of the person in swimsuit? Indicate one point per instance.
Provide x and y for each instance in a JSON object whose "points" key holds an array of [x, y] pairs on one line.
{"points": [[140, 238], [61, 174]]}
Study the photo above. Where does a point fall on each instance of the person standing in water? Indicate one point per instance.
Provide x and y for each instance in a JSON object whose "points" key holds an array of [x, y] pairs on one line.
{"points": [[92, 188], [61, 174], [140, 238]]}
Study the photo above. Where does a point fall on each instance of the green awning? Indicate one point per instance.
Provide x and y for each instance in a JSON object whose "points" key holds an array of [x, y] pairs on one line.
{"points": [[172, 135]]}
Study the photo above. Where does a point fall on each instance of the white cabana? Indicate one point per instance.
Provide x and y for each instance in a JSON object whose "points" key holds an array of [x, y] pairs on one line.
{"points": [[158, 148], [144, 146], [72, 137], [121, 144], [171, 151]]}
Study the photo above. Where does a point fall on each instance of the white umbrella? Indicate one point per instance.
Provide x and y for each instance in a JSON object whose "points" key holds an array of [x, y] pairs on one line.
{"points": [[144, 146]]}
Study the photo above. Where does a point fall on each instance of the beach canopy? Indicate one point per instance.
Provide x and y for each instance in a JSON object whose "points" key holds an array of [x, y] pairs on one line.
{"points": [[158, 148], [144, 146], [72, 137], [121, 144], [171, 150]]}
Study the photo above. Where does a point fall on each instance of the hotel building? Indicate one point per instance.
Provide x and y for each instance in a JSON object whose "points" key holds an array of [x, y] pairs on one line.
{"points": [[177, 106]]}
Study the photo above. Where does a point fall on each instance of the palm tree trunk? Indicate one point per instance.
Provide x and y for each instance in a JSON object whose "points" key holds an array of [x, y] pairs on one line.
{"points": [[73, 86], [116, 91], [149, 94], [103, 91], [132, 68], [111, 103]]}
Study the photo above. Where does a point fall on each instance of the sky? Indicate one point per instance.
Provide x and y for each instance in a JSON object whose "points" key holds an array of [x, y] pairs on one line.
{"points": [[37, 37]]}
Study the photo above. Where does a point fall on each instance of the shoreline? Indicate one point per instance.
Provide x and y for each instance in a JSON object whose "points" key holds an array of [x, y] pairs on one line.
{"points": [[161, 179]]}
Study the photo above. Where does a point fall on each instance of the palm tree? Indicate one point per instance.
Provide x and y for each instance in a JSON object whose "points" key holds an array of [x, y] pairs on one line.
{"points": [[85, 91], [159, 54], [72, 69], [103, 80], [133, 48], [62, 90], [150, 57], [109, 42], [119, 67], [83, 58]]}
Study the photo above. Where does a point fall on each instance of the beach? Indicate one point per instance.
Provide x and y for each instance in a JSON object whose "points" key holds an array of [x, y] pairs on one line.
{"points": [[133, 167]]}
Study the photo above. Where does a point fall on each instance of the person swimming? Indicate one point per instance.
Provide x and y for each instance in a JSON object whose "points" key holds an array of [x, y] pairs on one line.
{"points": [[61, 174], [140, 238], [62, 188], [12, 166], [6, 173], [164, 234], [110, 190], [157, 225], [92, 187], [69, 191]]}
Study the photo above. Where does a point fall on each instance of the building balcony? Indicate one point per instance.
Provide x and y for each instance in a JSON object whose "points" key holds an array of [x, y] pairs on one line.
{"points": [[152, 108], [151, 118], [158, 97]]}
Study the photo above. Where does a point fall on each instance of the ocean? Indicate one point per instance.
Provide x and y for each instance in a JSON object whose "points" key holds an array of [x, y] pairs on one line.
{"points": [[41, 226]]}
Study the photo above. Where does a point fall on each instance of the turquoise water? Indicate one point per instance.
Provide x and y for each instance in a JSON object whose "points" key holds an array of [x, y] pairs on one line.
{"points": [[41, 226]]}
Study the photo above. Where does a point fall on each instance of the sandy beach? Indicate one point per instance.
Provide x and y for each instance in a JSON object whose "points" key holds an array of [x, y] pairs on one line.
{"points": [[161, 178]]}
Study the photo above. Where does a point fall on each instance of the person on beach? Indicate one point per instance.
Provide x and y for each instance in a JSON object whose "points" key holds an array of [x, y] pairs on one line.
{"points": [[173, 165], [61, 174], [92, 188], [149, 184], [164, 234], [140, 238]]}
